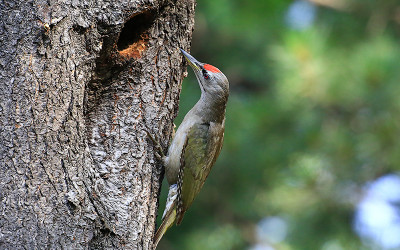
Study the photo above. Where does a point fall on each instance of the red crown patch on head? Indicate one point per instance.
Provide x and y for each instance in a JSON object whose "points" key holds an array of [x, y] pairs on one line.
{"points": [[211, 68]]}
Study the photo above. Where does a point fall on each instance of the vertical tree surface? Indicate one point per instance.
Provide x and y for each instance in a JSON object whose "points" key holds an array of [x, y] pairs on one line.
{"points": [[80, 81]]}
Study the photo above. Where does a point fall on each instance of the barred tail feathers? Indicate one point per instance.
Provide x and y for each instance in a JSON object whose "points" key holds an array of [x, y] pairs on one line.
{"points": [[169, 215], [168, 221]]}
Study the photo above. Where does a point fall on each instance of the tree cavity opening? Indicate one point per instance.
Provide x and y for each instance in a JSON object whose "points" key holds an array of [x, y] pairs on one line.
{"points": [[134, 36]]}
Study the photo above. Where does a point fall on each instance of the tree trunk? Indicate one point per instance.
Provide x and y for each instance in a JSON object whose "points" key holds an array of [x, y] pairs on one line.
{"points": [[80, 82]]}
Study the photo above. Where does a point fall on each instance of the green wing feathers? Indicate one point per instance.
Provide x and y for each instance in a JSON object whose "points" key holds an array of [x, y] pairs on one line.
{"points": [[202, 149]]}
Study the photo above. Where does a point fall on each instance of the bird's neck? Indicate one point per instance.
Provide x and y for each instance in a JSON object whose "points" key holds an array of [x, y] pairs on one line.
{"points": [[211, 108]]}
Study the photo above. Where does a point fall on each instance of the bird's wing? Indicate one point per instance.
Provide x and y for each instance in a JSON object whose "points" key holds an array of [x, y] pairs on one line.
{"points": [[201, 149]]}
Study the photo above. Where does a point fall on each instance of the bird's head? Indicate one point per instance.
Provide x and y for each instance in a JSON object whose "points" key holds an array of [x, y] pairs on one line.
{"points": [[211, 80]]}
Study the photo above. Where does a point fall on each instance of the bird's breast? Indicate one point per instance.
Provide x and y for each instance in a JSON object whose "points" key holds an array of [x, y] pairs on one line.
{"points": [[172, 161]]}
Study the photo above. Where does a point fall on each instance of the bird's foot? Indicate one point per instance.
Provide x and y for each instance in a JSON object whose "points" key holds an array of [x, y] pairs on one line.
{"points": [[173, 131], [159, 152]]}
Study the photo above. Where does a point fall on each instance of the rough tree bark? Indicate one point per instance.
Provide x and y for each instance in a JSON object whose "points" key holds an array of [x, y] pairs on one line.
{"points": [[80, 81]]}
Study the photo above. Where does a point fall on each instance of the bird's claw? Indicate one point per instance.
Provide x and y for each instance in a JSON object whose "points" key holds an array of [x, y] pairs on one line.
{"points": [[159, 153]]}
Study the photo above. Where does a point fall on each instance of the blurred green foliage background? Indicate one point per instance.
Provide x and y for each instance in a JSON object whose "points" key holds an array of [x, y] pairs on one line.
{"points": [[313, 117]]}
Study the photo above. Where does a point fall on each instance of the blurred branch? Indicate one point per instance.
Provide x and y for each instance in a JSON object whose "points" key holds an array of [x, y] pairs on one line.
{"points": [[334, 4], [378, 17], [396, 16]]}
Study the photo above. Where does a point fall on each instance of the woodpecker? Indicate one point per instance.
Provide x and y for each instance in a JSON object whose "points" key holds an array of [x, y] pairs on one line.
{"points": [[196, 144]]}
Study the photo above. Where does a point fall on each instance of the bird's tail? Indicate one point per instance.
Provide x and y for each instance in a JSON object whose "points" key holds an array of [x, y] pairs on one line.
{"points": [[169, 215], [165, 225]]}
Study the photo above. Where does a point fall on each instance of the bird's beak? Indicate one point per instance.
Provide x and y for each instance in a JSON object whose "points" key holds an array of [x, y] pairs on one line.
{"points": [[192, 61]]}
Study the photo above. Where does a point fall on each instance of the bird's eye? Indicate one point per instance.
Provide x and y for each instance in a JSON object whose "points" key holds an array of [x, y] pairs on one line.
{"points": [[205, 74]]}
